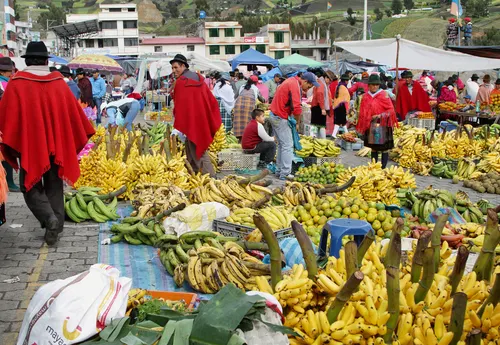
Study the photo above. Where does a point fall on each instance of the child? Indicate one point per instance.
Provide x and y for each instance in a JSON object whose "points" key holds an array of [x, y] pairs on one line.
{"points": [[256, 140]]}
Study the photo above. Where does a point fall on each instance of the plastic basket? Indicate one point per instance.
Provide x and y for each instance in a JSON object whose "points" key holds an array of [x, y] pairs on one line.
{"points": [[241, 231], [308, 161], [422, 123], [236, 159], [188, 297], [348, 146]]}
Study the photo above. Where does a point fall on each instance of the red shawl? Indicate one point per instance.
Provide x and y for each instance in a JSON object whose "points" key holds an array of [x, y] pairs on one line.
{"points": [[417, 100], [196, 112], [86, 91], [40, 118], [372, 105]]}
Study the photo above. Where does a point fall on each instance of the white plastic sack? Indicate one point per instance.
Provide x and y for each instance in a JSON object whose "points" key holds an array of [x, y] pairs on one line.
{"points": [[195, 218], [72, 310]]}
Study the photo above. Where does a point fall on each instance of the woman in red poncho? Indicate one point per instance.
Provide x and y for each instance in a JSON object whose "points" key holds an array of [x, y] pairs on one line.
{"points": [[376, 111]]}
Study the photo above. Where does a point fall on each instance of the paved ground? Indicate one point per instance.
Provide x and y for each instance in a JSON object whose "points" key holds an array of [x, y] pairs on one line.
{"points": [[23, 254]]}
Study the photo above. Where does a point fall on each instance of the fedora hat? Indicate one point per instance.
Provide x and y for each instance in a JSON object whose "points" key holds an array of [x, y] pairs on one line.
{"points": [[374, 80], [180, 59], [36, 50], [80, 71], [6, 64], [344, 77], [65, 71]]}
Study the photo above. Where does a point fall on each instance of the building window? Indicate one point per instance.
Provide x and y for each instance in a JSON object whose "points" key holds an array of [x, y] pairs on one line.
{"points": [[190, 48], [130, 42], [230, 50], [110, 42], [280, 54], [213, 32], [131, 9], [89, 43], [111, 25], [130, 24], [115, 10], [261, 48], [279, 37], [214, 50], [229, 32], [158, 49], [244, 47]]}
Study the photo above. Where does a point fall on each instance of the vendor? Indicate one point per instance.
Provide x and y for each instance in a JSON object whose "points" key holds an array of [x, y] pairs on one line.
{"points": [[411, 97], [256, 140], [483, 94], [124, 111]]}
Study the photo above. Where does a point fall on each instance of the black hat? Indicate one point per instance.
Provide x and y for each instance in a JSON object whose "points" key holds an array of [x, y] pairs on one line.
{"points": [[6, 64], [80, 71], [36, 50], [474, 77], [65, 71], [181, 59], [497, 82], [344, 77], [95, 70], [374, 80]]}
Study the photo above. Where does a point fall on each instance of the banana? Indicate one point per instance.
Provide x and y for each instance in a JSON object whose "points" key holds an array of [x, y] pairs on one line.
{"points": [[103, 209], [97, 217], [191, 275], [212, 251]]}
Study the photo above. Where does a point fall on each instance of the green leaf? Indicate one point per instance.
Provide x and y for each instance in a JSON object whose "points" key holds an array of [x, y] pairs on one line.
{"points": [[124, 324], [182, 332], [115, 324], [236, 340], [168, 332], [131, 339], [147, 324]]}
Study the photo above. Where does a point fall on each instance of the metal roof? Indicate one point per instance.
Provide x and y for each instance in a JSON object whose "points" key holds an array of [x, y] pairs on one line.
{"points": [[74, 30]]}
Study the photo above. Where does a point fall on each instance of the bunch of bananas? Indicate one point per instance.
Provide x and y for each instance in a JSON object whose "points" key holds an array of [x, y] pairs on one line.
{"points": [[422, 168], [156, 133], [428, 200], [466, 168], [364, 152], [490, 162], [219, 143], [296, 193], [86, 204], [443, 169], [471, 230], [469, 211], [208, 266], [150, 199], [317, 147], [277, 216], [136, 297], [136, 231]]}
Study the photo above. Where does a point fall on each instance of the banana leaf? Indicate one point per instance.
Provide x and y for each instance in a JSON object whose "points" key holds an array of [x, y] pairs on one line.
{"points": [[111, 332], [131, 339]]}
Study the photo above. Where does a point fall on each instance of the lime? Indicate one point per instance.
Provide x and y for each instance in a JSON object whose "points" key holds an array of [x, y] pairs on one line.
{"points": [[376, 225], [380, 206], [313, 212], [354, 216], [307, 207], [355, 208], [336, 215], [346, 211], [370, 217]]}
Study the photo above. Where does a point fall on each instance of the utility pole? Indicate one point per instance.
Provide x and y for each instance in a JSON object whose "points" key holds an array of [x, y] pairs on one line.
{"points": [[365, 20]]}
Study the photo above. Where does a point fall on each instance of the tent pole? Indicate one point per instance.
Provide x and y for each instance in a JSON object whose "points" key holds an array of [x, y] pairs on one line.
{"points": [[396, 87], [365, 19], [336, 60]]}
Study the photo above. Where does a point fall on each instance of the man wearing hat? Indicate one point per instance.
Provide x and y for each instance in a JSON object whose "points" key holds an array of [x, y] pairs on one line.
{"points": [[452, 32], [196, 113], [98, 92], [472, 87], [68, 78], [411, 97], [468, 31], [85, 88], [43, 127]]}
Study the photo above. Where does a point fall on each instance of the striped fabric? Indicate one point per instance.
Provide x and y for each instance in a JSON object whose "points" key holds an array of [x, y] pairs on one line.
{"points": [[242, 111]]}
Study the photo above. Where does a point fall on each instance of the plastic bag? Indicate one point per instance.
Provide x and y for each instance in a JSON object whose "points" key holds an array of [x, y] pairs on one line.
{"points": [[72, 310]]}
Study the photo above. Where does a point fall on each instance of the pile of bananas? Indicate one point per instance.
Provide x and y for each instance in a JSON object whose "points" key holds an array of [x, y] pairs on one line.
{"points": [[208, 266], [466, 168], [428, 200], [136, 231], [317, 147], [157, 133], [364, 152], [277, 216], [470, 230], [219, 143], [296, 193], [444, 169], [86, 204], [490, 162], [469, 211], [150, 199], [376, 184]]}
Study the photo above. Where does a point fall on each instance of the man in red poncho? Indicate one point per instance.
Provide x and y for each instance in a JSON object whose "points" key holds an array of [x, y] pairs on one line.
{"points": [[44, 127], [196, 113], [411, 96]]}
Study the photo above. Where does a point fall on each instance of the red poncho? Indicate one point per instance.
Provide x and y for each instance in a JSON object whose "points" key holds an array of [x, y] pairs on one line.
{"points": [[39, 118], [196, 112], [417, 100], [375, 104]]}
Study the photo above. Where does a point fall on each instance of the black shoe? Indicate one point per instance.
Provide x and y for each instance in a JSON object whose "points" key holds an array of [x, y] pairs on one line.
{"points": [[14, 189], [51, 230]]}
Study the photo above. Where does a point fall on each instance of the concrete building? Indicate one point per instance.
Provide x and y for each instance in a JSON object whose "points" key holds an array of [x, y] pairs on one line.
{"points": [[314, 47], [118, 30], [9, 44], [171, 45], [24, 36], [224, 40]]}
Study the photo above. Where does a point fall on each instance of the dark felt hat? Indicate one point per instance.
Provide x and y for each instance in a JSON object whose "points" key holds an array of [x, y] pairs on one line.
{"points": [[80, 71], [344, 77], [181, 59], [36, 50], [65, 71], [407, 74], [474, 77], [374, 80], [497, 82], [6, 64]]}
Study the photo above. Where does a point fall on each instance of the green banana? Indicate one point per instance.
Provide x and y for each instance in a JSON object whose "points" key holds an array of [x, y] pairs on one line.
{"points": [[130, 239], [214, 243], [73, 205], [81, 203], [143, 238], [89, 189], [173, 258], [94, 214], [88, 193], [103, 209], [124, 228], [117, 238], [166, 263], [131, 220], [181, 254], [168, 238], [144, 230], [70, 213], [191, 236], [112, 205], [158, 230]]}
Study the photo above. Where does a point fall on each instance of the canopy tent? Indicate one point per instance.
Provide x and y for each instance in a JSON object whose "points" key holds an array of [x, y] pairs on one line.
{"points": [[417, 56], [355, 67], [57, 60], [252, 57], [196, 62], [492, 52], [297, 59], [270, 75]]}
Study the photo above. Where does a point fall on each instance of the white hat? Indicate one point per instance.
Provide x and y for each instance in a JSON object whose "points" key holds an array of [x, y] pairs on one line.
{"points": [[103, 105]]}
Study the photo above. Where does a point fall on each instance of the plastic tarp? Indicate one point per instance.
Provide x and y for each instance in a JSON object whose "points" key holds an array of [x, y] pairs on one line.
{"points": [[417, 56], [297, 59], [492, 52], [196, 62], [270, 75], [58, 60], [355, 67], [252, 57]]}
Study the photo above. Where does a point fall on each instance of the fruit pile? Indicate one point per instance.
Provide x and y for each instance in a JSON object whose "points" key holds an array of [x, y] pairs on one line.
{"points": [[157, 133], [349, 137], [486, 183], [466, 168], [317, 147], [86, 204], [151, 199], [277, 216], [425, 115], [490, 161], [495, 102], [136, 230], [208, 263], [444, 169], [164, 115], [449, 106], [326, 173], [219, 143]]}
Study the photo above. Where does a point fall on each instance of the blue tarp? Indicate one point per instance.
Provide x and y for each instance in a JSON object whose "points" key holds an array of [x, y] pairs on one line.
{"points": [[57, 60], [270, 75], [252, 57]]}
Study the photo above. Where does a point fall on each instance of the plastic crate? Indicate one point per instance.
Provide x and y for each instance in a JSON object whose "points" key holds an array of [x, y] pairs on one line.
{"points": [[308, 161], [188, 297], [241, 231], [422, 123], [348, 146], [236, 159]]}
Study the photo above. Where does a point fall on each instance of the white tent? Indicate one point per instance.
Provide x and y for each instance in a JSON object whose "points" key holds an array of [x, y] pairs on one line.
{"points": [[414, 55], [196, 63]]}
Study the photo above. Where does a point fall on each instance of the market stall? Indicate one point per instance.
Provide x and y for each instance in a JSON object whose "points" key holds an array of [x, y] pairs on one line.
{"points": [[297, 59], [252, 57]]}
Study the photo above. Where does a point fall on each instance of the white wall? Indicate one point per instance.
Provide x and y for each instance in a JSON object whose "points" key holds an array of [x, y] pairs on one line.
{"points": [[172, 48]]}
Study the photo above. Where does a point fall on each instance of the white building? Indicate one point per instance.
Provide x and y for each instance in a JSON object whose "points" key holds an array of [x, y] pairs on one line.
{"points": [[25, 35], [118, 30], [314, 47], [171, 45], [9, 44]]}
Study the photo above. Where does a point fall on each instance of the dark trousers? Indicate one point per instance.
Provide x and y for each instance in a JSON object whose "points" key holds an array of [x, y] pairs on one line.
{"points": [[203, 164], [46, 198], [267, 150]]}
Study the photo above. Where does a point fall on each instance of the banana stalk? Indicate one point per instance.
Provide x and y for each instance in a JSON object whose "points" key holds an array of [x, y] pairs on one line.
{"points": [[165, 213], [427, 277], [336, 189], [344, 295], [474, 337], [265, 269], [255, 178], [392, 262], [111, 195], [274, 248], [307, 249], [494, 296], [260, 246], [363, 247], [351, 254], [261, 202], [436, 238], [459, 268], [485, 261], [457, 316], [418, 256]]}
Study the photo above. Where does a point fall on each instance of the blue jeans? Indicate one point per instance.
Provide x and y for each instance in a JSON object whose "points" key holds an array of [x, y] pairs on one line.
{"points": [[135, 107], [128, 118], [283, 133], [98, 102]]}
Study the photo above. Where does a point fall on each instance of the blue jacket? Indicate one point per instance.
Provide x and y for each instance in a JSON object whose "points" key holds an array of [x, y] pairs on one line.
{"points": [[468, 31], [98, 87], [74, 88]]}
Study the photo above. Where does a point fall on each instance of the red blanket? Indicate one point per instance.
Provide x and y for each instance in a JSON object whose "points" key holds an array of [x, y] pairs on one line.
{"points": [[372, 105], [39, 118], [196, 112], [417, 100]]}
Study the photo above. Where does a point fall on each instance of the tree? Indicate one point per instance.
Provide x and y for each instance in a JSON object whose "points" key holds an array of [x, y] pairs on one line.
{"points": [[173, 9], [378, 14], [388, 13], [396, 6], [54, 16], [201, 5], [478, 8], [409, 5], [350, 17], [491, 37], [350, 12], [17, 10]]}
